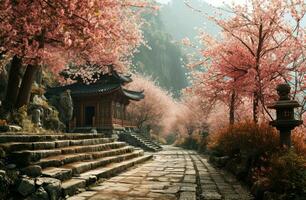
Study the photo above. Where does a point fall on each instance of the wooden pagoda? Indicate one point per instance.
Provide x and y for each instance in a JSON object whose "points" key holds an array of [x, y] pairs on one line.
{"points": [[101, 105]]}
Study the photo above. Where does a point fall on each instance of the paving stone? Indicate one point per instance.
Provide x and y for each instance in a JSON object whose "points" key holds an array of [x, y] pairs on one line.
{"points": [[172, 175], [161, 196], [206, 181], [188, 188], [190, 179], [86, 194], [208, 187], [172, 190], [187, 196], [138, 192], [232, 197], [190, 172], [76, 198], [211, 196]]}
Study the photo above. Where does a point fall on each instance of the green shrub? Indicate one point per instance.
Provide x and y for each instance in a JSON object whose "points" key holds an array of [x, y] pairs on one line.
{"points": [[194, 141], [288, 175], [21, 118], [170, 139]]}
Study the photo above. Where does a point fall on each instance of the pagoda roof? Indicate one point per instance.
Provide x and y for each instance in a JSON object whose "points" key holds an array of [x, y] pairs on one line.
{"points": [[115, 77], [105, 84], [82, 88], [112, 76]]}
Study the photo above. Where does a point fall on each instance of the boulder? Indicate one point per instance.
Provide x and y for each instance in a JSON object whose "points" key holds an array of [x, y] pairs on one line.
{"points": [[4, 185], [2, 165], [2, 173], [10, 166], [51, 185], [40, 194], [26, 186], [2, 153], [14, 128], [32, 171]]}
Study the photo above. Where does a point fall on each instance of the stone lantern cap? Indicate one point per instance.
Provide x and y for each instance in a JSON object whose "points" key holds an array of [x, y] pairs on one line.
{"points": [[283, 91], [284, 104], [289, 124]]}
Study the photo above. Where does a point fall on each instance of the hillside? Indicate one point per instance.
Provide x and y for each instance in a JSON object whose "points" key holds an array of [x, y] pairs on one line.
{"points": [[181, 21], [163, 60]]}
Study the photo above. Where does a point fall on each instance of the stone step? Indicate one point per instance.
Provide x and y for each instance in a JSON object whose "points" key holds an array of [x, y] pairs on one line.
{"points": [[59, 160], [81, 167], [92, 148], [11, 137], [140, 141], [148, 144], [19, 146], [27, 157], [152, 143], [58, 173], [148, 149], [109, 170], [66, 172], [70, 187], [146, 141], [126, 149]]}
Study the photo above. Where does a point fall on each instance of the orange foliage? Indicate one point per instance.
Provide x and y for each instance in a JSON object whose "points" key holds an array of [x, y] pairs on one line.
{"points": [[281, 172], [3, 122], [245, 137], [299, 140]]}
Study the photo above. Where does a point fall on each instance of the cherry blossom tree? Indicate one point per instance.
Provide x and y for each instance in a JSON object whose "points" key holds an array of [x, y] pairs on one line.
{"points": [[49, 34], [156, 111], [261, 45], [192, 115]]}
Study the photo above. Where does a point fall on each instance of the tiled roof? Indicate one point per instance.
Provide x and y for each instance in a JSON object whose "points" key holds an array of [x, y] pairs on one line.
{"points": [[105, 85], [133, 94], [81, 89], [121, 77]]}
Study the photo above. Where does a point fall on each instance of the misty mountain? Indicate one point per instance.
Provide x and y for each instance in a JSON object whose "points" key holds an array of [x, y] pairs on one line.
{"points": [[165, 58], [183, 21]]}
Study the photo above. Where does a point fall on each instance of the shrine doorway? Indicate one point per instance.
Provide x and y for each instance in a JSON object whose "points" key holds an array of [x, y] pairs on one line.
{"points": [[89, 116]]}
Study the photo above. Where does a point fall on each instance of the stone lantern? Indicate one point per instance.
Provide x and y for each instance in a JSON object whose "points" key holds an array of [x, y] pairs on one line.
{"points": [[285, 121]]}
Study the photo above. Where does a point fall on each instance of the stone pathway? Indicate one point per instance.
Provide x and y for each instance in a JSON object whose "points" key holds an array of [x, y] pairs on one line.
{"points": [[173, 174]]}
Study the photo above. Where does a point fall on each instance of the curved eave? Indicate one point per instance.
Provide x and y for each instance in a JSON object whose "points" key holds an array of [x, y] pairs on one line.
{"points": [[133, 95], [123, 78]]}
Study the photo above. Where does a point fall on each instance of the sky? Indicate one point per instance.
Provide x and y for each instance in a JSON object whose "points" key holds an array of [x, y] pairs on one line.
{"points": [[213, 2]]}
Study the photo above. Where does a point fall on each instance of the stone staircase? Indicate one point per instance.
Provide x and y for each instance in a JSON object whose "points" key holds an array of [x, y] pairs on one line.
{"points": [[140, 140], [78, 160]]}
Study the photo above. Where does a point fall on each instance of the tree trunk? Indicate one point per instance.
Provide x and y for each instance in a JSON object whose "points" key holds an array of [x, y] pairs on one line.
{"points": [[13, 84], [255, 107], [26, 85], [232, 108], [39, 76]]}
